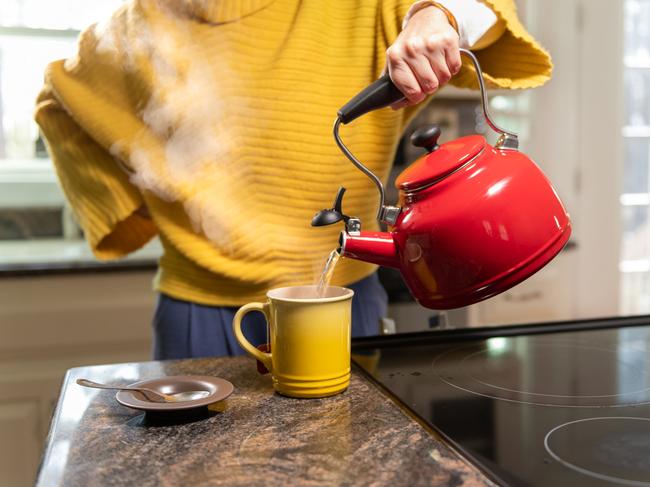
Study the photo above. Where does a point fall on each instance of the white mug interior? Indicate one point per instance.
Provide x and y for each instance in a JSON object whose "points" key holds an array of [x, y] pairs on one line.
{"points": [[310, 294]]}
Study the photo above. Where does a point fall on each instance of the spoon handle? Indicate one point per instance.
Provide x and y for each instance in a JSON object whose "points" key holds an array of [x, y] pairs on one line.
{"points": [[97, 385], [148, 393]]}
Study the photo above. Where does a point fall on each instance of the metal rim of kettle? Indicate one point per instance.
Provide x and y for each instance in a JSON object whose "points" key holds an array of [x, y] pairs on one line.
{"points": [[387, 213]]}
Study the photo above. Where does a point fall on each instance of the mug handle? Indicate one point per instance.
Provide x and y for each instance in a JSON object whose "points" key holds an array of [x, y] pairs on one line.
{"points": [[263, 357]]}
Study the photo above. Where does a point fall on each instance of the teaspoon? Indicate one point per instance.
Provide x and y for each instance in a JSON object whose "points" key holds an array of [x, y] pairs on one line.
{"points": [[151, 395]]}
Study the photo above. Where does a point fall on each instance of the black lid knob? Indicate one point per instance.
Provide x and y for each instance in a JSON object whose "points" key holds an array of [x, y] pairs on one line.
{"points": [[426, 137]]}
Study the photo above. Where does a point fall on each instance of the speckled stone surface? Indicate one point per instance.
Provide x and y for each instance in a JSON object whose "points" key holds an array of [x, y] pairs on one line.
{"points": [[255, 437]]}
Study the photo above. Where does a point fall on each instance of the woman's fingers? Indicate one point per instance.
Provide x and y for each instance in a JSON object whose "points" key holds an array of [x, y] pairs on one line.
{"points": [[424, 71], [419, 74], [424, 57], [402, 75], [452, 56]]}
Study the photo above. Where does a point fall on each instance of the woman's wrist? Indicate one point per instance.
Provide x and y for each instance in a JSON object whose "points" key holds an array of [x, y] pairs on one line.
{"points": [[427, 4], [477, 25]]}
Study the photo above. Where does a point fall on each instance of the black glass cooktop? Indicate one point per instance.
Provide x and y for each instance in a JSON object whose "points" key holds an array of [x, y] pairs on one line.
{"points": [[543, 405]]}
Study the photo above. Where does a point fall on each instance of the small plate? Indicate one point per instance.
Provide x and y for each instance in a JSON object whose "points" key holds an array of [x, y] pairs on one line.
{"points": [[218, 388]]}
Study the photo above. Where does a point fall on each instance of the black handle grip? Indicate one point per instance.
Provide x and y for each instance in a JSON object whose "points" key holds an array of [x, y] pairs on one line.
{"points": [[379, 94]]}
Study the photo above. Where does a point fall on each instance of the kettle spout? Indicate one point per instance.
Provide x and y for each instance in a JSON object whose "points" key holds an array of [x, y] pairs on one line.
{"points": [[374, 247]]}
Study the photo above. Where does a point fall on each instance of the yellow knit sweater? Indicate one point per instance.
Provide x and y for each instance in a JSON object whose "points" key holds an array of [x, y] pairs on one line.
{"points": [[217, 116]]}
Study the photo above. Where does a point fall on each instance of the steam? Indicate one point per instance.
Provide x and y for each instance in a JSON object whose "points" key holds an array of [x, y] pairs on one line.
{"points": [[106, 39], [185, 116]]}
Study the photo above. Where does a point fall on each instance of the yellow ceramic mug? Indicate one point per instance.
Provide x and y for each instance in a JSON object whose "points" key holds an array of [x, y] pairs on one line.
{"points": [[310, 339]]}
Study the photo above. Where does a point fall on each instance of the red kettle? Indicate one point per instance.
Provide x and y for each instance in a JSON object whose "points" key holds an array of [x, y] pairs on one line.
{"points": [[472, 221]]}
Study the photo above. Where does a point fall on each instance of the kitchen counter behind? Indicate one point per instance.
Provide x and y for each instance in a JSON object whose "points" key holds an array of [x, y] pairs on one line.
{"points": [[255, 437]]}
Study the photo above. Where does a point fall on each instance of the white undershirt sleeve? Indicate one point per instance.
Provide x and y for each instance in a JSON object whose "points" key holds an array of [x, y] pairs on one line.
{"points": [[478, 25]]}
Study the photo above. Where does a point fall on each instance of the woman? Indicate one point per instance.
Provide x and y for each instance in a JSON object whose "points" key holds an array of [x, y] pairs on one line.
{"points": [[208, 123]]}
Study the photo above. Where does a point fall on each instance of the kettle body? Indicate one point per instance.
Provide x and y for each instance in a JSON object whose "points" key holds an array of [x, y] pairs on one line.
{"points": [[484, 227]]}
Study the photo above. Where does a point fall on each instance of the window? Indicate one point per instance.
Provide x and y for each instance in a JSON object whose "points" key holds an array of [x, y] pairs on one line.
{"points": [[635, 196], [35, 224]]}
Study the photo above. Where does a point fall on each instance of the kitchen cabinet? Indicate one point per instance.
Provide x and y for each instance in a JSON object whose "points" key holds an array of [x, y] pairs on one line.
{"points": [[21, 440], [48, 324], [545, 296]]}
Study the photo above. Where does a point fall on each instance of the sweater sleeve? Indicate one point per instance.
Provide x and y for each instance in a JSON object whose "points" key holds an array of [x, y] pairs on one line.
{"points": [[515, 61], [97, 188]]}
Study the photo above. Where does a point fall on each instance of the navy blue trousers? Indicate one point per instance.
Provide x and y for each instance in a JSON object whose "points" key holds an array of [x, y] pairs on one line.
{"points": [[184, 330]]}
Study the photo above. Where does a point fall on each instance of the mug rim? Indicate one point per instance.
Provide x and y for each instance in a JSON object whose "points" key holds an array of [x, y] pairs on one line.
{"points": [[348, 293]]}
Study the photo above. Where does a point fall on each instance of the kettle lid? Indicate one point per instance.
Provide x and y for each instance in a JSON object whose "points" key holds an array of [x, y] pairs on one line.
{"points": [[441, 161]]}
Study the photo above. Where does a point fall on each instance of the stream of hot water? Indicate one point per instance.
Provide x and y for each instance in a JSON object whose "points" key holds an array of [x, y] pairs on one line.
{"points": [[327, 273]]}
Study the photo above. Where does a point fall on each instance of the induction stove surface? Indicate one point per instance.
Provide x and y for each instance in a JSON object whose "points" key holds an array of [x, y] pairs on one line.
{"points": [[554, 408]]}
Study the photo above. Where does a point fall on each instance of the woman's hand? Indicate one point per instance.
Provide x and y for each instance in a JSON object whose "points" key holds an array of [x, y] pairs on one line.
{"points": [[424, 57]]}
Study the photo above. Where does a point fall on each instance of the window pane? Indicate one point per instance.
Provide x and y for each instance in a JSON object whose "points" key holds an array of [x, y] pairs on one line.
{"points": [[23, 80], [637, 96], [636, 233], [59, 14], [635, 170], [503, 103], [35, 226], [635, 243], [637, 32], [635, 292]]}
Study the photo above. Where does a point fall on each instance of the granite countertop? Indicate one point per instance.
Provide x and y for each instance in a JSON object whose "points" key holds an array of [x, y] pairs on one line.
{"points": [[255, 437]]}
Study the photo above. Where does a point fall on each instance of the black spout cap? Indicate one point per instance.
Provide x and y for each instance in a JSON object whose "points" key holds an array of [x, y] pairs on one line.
{"points": [[331, 215], [326, 217]]}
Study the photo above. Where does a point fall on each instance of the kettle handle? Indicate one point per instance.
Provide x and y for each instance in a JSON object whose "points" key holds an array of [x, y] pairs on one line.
{"points": [[383, 92], [379, 94]]}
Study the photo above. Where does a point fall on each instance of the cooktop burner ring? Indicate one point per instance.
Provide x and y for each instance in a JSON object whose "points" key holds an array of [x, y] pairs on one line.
{"points": [[629, 454], [532, 403], [480, 352], [472, 383]]}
